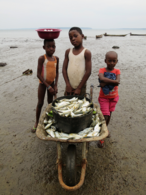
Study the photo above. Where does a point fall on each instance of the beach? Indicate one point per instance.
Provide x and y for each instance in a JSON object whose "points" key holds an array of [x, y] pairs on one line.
{"points": [[28, 164]]}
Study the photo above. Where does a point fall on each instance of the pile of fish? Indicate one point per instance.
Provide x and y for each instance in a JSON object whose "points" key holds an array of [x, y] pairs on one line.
{"points": [[92, 131], [72, 107]]}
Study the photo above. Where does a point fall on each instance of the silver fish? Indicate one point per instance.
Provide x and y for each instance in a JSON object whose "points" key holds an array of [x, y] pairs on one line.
{"points": [[50, 121], [85, 131], [57, 134], [47, 126], [50, 132], [65, 111], [64, 138], [73, 99], [92, 134], [64, 135], [75, 136], [62, 104], [97, 128], [45, 121]]}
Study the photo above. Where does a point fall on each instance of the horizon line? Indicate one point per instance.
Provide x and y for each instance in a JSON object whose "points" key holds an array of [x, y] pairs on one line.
{"points": [[70, 27]]}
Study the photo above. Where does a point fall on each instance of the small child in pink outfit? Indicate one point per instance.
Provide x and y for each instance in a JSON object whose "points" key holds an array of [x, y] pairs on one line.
{"points": [[108, 102]]}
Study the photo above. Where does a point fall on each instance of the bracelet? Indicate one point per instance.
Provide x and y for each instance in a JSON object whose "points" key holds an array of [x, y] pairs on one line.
{"points": [[49, 87]]}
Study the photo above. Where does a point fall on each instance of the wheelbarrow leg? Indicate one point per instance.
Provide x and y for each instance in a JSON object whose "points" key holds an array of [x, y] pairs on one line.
{"points": [[59, 158]]}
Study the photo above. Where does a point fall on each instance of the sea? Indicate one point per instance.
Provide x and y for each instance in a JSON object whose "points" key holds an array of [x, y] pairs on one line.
{"points": [[32, 33]]}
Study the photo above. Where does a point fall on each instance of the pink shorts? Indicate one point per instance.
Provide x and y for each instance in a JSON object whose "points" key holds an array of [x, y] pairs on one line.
{"points": [[107, 105]]}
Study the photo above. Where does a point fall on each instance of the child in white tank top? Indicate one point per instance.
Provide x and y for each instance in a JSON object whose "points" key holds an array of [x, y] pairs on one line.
{"points": [[77, 64]]}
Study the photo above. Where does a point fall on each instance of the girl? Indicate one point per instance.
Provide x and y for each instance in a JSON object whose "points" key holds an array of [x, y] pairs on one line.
{"points": [[47, 73]]}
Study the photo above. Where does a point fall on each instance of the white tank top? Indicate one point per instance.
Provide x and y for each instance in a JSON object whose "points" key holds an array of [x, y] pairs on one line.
{"points": [[76, 68]]}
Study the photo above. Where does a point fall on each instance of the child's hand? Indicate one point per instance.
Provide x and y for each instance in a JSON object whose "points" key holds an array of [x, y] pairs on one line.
{"points": [[52, 91], [102, 84], [77, 91], [55, 89], [69, 90]]}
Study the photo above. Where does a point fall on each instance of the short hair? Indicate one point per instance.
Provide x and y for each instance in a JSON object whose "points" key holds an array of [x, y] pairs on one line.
{"points": [[48, 40], [77, 29], [111, 52]]}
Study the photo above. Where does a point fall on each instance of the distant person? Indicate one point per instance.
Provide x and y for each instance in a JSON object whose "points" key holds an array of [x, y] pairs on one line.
{"points": [[77, 64], [47, 72], [109, 78]]}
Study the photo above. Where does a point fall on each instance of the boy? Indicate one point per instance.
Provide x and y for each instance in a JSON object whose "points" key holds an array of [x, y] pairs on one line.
{"points": [[77, 64], [108, 101], [47, 73]]}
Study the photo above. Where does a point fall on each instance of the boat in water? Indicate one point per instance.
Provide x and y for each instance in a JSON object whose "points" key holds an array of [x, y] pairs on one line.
{"points": [[137, 34], [114, 35], [98, 36]]}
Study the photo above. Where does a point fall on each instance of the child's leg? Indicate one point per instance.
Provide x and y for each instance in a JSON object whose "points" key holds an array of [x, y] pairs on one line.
{"points": [[107, 118], [104, 107], [49, 95], [41, 95], [112, 106]]}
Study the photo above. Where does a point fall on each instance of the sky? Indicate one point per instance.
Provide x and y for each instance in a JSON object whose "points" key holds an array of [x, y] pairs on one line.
{"points": [[95, 14]]}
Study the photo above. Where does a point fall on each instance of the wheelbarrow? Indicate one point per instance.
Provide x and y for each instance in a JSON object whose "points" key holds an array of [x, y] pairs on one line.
{"points": [[71, 184]]}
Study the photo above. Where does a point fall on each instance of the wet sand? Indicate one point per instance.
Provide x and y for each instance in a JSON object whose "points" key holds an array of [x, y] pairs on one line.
{"points": [[27, 164]]}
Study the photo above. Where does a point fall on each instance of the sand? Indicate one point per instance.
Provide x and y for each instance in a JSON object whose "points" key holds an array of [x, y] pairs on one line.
{"points": [[28, 164]]}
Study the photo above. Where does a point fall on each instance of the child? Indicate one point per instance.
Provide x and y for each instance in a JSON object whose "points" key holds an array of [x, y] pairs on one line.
{"points": [[108, 102], [47, 72], [77, 64]]}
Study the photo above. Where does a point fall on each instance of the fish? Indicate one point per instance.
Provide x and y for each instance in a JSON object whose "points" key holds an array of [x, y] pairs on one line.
{"points": [[65, 111], [92, 134], [85, 131], [51, 132], [45, 121], [97, 128], [57, 135], [75, 136], [73, 99], [62, 104], [86, 104], [64, 138], [88, 132], [64, 135], [50, 121], [47, 126], [72, 107]]}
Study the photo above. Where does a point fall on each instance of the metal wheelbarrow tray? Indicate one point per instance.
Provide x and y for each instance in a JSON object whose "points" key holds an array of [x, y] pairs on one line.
{"points": [[71, 184]]}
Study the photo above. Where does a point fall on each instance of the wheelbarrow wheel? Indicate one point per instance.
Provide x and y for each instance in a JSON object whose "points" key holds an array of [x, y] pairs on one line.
{"points": [[71, 165]]}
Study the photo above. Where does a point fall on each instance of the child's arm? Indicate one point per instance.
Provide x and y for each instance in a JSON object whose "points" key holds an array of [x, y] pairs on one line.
{"points": [[88, 66], [109, 81], [57, 75], [69, 89], [39, 70]]}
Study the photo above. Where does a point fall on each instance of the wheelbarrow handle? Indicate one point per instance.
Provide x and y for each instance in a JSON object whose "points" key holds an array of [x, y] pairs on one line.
{"points": [[91, 91], [55, 96]]}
